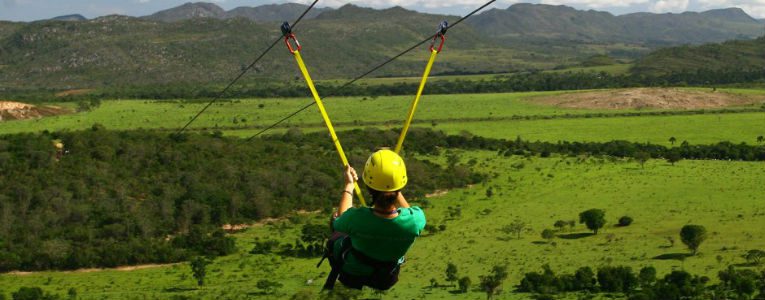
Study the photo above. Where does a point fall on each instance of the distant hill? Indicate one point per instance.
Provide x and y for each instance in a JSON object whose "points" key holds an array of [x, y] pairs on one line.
{"points": [[264, 13], [202, 43], [732, 55], [520, 22], [189, 11], [274, 12], [70, 18]]}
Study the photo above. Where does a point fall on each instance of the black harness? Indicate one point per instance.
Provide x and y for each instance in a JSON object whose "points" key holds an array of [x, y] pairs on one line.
{"points": [[384, 276]]}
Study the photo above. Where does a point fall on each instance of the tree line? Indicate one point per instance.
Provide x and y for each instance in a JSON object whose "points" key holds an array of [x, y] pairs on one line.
{"points": [[521, 82], [428, 141], [645, 285]]}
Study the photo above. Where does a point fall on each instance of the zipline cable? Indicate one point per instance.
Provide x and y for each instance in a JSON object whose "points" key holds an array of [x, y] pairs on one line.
{"points": [[277, 123], [223, 92]]}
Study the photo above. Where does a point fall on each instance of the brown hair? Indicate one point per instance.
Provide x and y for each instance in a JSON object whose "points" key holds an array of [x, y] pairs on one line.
{"points": [[382, 199]]}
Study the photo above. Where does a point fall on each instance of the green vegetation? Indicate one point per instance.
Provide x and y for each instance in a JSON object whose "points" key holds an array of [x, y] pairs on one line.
{"points": [[712, 193], [491, 115], [123, 198], [692, 236], [732, 55]]}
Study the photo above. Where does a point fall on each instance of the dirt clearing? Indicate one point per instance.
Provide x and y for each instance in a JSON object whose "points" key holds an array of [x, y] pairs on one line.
{"points": [[649, 98], [10, 110]]}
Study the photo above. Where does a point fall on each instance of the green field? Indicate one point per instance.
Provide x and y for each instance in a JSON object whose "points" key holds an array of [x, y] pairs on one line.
{"points": [[723, 196], [490, 115]]}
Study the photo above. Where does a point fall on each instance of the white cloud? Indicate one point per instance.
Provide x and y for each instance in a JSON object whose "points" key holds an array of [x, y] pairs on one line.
{"points": [[663, 6]]}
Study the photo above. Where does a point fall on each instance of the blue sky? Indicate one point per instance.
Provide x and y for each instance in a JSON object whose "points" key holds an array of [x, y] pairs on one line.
{"points": [[28, 10]]}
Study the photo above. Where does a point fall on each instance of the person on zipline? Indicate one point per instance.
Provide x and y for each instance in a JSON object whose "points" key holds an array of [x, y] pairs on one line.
{"points": [[368, 244]]}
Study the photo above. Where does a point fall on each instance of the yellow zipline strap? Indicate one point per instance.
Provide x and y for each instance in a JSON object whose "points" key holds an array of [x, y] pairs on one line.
{"points": [[413, 108], [433, 53], [320, 104]]}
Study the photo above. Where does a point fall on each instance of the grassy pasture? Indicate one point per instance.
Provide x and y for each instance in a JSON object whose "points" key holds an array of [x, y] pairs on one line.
{"points": [[723, 196], [481, 114]]}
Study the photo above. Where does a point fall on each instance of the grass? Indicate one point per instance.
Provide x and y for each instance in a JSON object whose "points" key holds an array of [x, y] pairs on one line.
{"points": [[487, 115], [723, 196]]}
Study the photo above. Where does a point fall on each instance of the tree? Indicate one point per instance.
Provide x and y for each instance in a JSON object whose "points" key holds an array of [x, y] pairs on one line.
{"points": [[672, 140], [516, 227], [594, 219], [642, 157], [464, 284], [491, 283], [268, 286], [760, 139], [451, 272], [647, 276], [673, 157], [692, 236], [625, 221], [548, 234], [616, 279], [199, 269]]}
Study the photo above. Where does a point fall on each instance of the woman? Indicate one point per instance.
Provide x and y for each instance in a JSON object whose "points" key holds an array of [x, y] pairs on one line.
{"points": [[368, 244]]}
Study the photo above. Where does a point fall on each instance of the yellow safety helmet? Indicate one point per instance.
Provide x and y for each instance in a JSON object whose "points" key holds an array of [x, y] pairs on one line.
{"points": [[385, 171]]}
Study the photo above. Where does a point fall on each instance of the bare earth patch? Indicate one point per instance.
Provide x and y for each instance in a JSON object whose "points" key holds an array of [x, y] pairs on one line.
{"points": [[10, 110], [73, 92], [649, 98]]}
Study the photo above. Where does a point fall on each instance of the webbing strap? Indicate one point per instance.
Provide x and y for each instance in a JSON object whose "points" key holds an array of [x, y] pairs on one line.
{"points": [[327, 121], [413, 108]]}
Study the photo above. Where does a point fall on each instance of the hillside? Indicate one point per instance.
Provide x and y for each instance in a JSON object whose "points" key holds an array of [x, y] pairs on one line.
{"points": [[202, 43], [116, 50], [76, 17], [732, 55], [264, 13], [539, 21]]}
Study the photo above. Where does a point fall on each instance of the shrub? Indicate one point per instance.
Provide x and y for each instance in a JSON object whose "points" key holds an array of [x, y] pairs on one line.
{"points": [[625, 221], [616, 279]]}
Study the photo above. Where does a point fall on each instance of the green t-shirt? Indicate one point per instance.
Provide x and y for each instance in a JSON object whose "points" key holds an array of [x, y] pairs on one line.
{"points": [[379, 238]]}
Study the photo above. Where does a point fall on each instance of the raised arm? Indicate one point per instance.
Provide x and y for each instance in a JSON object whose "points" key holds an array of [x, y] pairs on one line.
{"points": [[347, 200], [401, 201]]}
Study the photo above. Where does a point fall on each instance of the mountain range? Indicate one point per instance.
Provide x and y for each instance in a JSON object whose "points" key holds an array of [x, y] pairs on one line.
{"points": [[202, 43], [265, 13]]}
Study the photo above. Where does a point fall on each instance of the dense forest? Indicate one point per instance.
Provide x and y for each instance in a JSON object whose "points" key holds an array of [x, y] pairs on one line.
{"points": [[115, 198], [522, 82]]}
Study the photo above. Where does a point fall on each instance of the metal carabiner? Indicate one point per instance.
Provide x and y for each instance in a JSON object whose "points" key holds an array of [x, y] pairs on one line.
{"points": [[287, 39], [442, 28], [440, 46]]}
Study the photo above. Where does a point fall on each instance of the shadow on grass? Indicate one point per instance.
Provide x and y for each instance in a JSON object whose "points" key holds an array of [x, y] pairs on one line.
{"points": [[539, 243], [574, 236], [178, 290], [671, 256]]}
